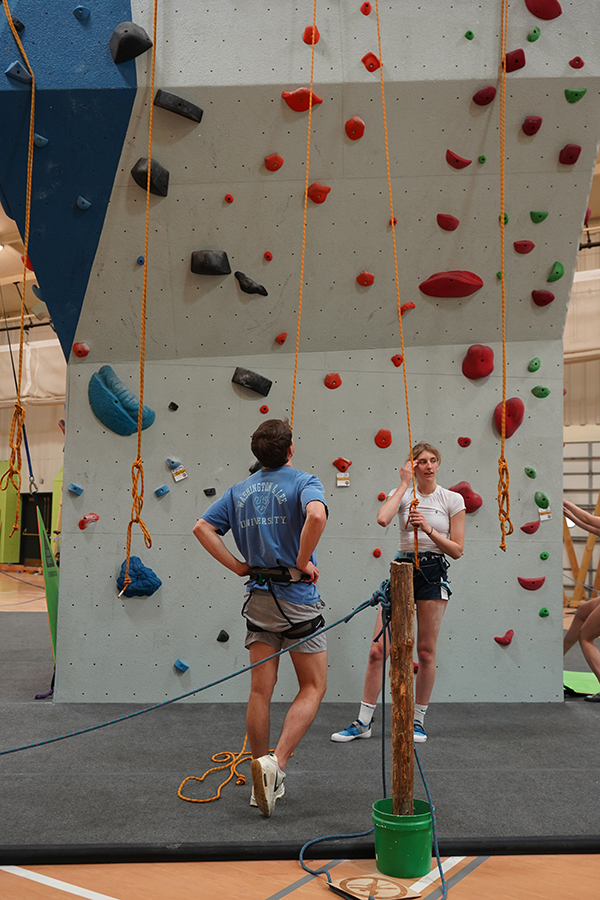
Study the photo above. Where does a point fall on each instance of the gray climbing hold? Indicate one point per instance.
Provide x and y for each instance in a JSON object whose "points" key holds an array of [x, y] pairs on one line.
{"points": [[128, 41], [82, 203], [39, 140], [249, 286], [176, 104], [82, 13], [252, 380], [18, 72], [159, 176], [114, 404], [210, 262]]}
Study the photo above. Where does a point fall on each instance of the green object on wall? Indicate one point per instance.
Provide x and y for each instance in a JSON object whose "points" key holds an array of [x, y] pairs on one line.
{"points": [[573, 95], [558, 270], [531, 473], [482, 158], [540, 391], [536, 216], [534, 364], [541, 500], [544, 612], [9, 546], [533, 34], [544, 554], [469, 35]]}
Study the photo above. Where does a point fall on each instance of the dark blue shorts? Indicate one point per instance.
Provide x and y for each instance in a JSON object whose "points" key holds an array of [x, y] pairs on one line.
{"points": [[430, 580]]}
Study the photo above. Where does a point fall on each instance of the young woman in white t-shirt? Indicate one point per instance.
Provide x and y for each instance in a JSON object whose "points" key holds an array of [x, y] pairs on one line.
{"points": [[440, 519]]}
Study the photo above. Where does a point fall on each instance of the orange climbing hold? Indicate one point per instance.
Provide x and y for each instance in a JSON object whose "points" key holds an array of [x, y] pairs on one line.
{"points": [[299, 100], [355, 128], [332, 381], [307, 37], [318, 192], [365, 278], [342, 464], [273, 162], [370, 62]]}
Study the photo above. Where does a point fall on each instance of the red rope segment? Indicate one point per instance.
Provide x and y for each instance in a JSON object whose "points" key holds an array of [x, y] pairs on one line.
{"points": [[506, 526], [13, 473]]}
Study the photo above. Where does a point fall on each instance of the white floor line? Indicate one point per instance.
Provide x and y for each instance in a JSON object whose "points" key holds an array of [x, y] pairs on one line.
{"points": [[435, 873], [54, 883]]}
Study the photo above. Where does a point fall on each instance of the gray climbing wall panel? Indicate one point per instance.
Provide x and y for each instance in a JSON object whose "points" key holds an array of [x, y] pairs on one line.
{"points": [[234, 61]]}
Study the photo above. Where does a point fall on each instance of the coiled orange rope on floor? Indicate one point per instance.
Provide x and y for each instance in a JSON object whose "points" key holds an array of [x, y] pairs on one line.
{"points": [[229, 760], [13, 473], [415, 502], [506, 526], [137, 469], [310, 105]]}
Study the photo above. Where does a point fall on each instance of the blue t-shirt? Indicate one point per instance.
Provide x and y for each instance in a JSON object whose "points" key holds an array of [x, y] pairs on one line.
{"points": [[266, 514]]}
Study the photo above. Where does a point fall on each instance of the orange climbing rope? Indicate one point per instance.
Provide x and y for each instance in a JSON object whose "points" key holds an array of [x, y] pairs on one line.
{"points": [[310, 105], [414, 502], [13, 473], [506, 526], [137, 469], [229, 760]]}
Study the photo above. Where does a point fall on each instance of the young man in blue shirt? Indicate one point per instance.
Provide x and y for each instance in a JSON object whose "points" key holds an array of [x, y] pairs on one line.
{"points": [[276, 517]]}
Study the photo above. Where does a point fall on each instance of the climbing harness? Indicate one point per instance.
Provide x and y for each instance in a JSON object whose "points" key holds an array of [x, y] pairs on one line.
{"points": [[265, 578]]}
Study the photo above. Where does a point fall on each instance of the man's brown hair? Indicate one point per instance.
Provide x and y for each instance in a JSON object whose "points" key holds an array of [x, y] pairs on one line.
{"points": [[271, 442]]}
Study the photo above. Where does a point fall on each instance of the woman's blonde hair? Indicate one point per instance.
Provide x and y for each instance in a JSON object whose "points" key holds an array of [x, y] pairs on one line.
{"points": [[418, 449]]}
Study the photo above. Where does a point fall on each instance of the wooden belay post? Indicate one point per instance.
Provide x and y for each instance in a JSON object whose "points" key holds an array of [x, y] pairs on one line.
{"points": [[403, 825]]}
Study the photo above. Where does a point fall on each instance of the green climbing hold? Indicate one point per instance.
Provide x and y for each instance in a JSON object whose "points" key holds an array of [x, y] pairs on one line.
{"points": [[544, 612], [505, 218], [540, 391], [469, 35], [531, 473], [558, 270], [573, 94], [499, 276], [544, 554], [538, 217], [541, 500], [534, 364], [482, 158], [533, 34]]}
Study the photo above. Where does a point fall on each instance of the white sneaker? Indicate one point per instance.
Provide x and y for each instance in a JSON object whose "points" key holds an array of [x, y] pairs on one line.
{"points": [[267, 781], [278, 794], [356, 730]]}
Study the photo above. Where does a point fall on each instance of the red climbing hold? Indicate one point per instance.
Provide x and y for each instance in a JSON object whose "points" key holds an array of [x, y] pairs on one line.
{"points": [[544, 9], [451, 284], [81, 349], [381, 496], [531, 125], [342, 464], [332, 381], [365, 278], [318, 192], [542, 298], [86, 520], [472, 500], [397, 359], [505, 641], [530, 527], [383, 438], [464, 442], [370, 61], [366, 9], [268, 255], [393, 221], [27, 262], [307, 37], [576, 62], [228, 198], [523, 246], [273, 162], [484, 95], [531, 584], [281, 338], [515, 59], [479, 361], [569, 154], [355, 128], [299, 100], [405, 307], [515, 410], [377, 553], [587, 217], [457, 162], [447, 222], [264, 410]]}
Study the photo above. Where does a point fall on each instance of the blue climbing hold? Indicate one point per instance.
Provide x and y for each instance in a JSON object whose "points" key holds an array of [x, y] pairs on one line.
{"points": [[82, 13], [75, 489], [114, 404], [173, 463], [37, 292], [82, 203], [161, 491], [18, 72], [180, 665], [140, 260], [144, 582], [39, 140]]}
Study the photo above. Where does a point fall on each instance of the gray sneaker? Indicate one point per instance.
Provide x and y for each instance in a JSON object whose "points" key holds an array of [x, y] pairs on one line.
{"points": [[593, 698], [356, 730], [267, 781], [278, 794]]}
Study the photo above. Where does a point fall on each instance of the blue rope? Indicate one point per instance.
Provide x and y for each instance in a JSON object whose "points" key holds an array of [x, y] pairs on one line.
{"points": [[20, 580], [435, 842], [205, 687]]}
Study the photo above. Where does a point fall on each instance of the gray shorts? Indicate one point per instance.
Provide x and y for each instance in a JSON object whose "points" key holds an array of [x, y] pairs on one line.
{"points": [[262, 610]]}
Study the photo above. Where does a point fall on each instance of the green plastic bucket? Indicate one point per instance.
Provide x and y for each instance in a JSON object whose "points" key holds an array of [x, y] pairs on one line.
{"points": [[403, 844]]}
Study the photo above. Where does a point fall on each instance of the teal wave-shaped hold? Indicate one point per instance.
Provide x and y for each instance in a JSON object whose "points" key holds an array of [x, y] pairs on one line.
{"points": [[114, 404]]}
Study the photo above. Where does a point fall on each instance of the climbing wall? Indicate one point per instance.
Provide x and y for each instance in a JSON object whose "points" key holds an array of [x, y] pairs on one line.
{"points": [[236, 183]]}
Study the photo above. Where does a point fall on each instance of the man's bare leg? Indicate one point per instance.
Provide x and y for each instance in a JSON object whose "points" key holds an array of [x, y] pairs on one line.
{"points": [[264, 679], [311, 671]]}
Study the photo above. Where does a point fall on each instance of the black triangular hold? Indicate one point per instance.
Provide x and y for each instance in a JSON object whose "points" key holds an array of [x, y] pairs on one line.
{"points": [[252, 380], [175, 104], [249, 286], [17, 23], [159, 176], [127, 41], [222, 637], [210, 262]]}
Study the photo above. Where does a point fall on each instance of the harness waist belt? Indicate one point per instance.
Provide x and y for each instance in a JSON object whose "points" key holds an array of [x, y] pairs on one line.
{"points": [[277, 574], [298, 630]]}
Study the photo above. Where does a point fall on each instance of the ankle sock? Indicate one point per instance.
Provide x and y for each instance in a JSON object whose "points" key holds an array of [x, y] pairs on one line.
{"points": [[365, 714], [420, 713]]}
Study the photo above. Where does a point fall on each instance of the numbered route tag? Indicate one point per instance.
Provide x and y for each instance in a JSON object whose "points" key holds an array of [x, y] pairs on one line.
{"points": [[545, 514], [179, 473], [342, 479]]}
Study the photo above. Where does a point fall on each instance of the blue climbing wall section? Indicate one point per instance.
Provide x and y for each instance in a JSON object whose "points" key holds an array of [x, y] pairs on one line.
{"points": [[83, 104]]}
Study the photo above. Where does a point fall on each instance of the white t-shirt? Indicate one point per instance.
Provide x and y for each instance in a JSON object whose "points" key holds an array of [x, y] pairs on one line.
{"points": [[437, 508]]}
